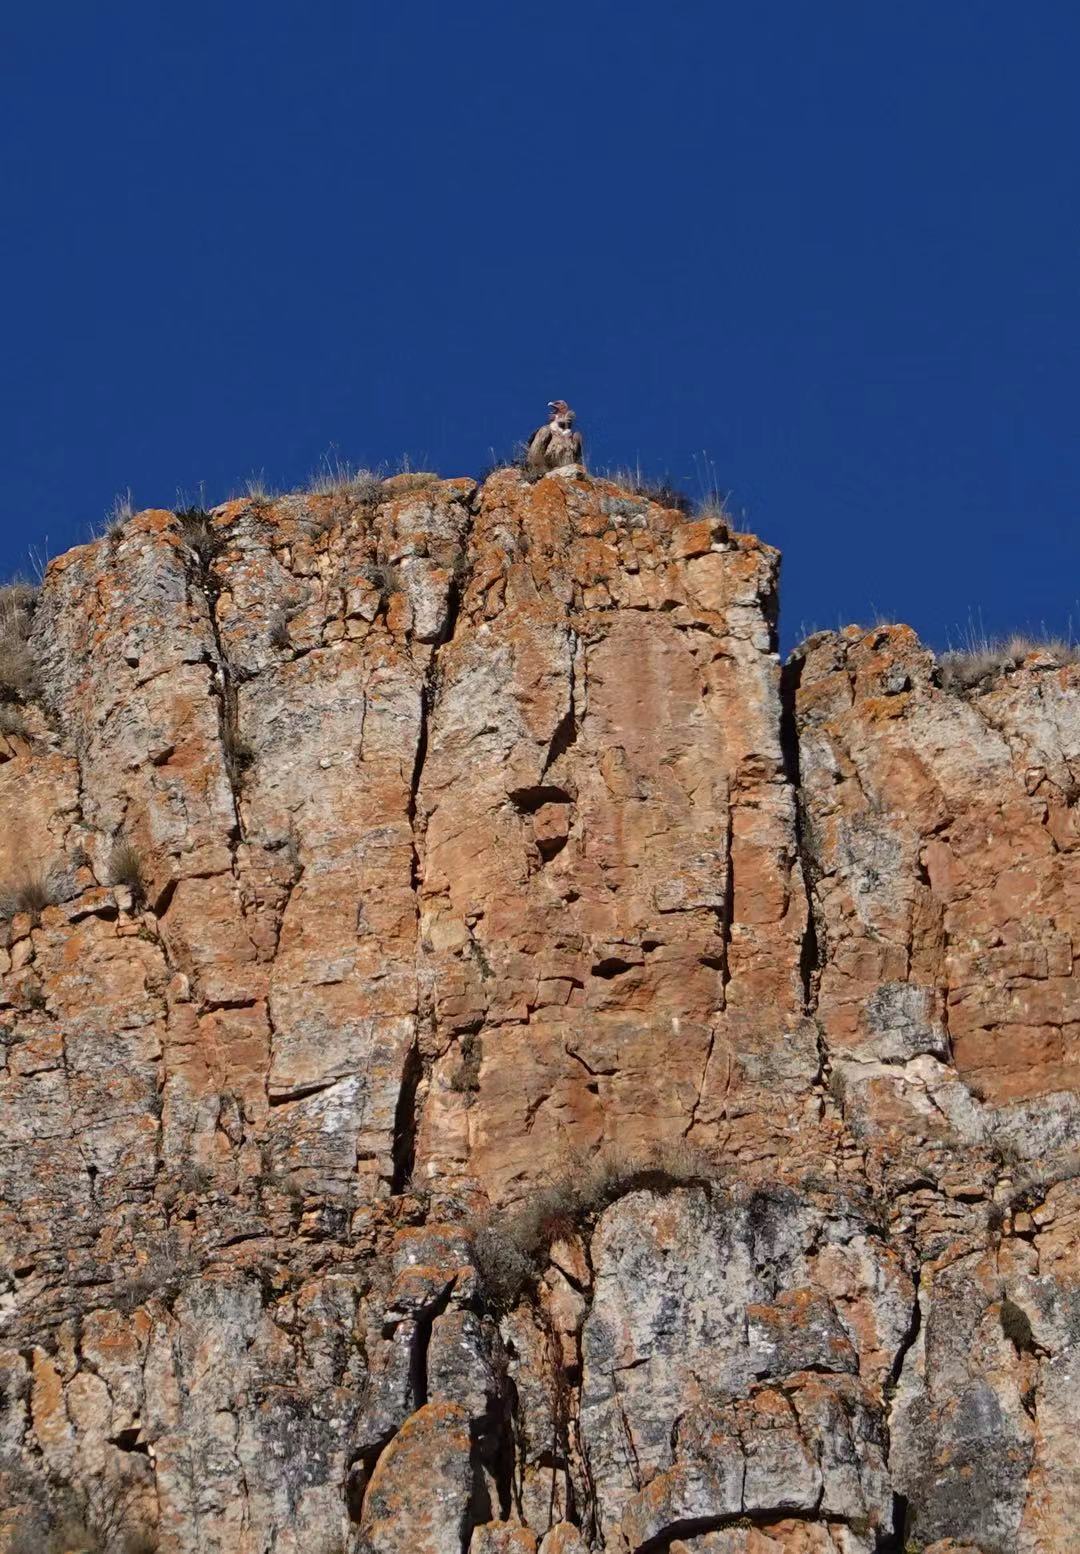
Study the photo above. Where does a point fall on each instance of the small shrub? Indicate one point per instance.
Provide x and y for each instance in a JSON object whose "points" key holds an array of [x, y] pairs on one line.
{"points": [[199, 533], [125, 868], [31, 893], [1016, 1325], [12, 720]]}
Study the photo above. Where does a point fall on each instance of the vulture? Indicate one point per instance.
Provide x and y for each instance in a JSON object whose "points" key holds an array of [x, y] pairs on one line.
{"points": [[556, 443]]}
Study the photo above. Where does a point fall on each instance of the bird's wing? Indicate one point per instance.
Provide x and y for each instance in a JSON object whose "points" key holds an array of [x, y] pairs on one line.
{"points": [[576, 448], [538, 444]]}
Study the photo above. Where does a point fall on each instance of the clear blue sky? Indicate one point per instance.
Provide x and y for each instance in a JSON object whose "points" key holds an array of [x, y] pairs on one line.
{"points": [[835, 247]]}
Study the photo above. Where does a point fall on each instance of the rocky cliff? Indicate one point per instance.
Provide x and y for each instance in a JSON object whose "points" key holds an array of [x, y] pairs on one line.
{"points": [[490, 1064]]}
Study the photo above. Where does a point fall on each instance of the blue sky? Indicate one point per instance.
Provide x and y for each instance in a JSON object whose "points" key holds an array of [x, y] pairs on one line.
{"points": [[827, 252]]}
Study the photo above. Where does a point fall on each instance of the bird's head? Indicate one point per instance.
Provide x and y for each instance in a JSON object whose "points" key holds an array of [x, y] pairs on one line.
{"points": [[561, 413]]}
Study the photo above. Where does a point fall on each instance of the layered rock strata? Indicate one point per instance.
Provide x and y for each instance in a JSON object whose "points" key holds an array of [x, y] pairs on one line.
{"points": [[489, 1064]]}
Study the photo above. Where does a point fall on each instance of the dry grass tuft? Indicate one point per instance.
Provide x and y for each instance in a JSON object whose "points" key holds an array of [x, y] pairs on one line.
{"points": [[30, 892], [125, 868], [336, 477], [118, 516], [511, 1252], [258, 493], [660, 491]]}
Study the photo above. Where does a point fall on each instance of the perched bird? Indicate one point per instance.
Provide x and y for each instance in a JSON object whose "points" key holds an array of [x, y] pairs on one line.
{"points": [[555, 444]]}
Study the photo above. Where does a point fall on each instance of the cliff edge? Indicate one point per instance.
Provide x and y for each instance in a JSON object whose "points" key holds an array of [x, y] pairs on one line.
{"points": [[491, 1064]]}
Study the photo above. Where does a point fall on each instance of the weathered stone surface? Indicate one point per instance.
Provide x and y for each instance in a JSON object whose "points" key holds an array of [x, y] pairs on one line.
{"points": [[492, 876]]}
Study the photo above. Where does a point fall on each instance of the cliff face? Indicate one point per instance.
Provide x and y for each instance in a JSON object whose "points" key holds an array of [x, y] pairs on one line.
{"points": [[537, 1082]]}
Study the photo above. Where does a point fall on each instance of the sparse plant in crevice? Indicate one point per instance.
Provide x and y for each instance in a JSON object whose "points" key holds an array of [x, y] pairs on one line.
{"points": [[239, 754], [466, 1077], [511, 1251], [161, 1276], [200, 534], [125, 868], [385, 578]]}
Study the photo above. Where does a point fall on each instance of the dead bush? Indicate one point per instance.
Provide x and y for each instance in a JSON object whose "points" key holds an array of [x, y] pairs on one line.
{"points": [[511, 1252], [104, 1517]]}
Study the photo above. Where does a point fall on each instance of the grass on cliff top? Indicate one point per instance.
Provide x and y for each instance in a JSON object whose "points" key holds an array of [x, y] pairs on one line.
{"points": [[981, 657], [337, 477], [511, 1250]]}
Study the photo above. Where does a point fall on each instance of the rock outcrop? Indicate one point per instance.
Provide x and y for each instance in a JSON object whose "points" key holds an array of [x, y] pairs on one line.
{"points": [[492, 1066]]}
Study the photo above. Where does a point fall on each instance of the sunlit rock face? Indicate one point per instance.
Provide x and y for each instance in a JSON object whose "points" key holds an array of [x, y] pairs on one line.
{"points": [[489, 1063]]}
